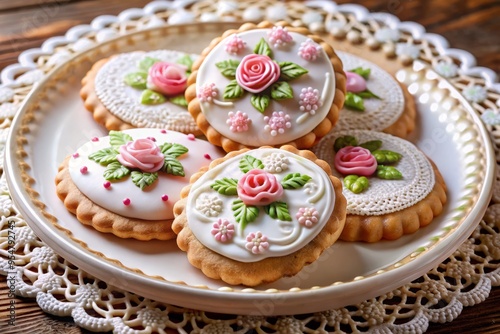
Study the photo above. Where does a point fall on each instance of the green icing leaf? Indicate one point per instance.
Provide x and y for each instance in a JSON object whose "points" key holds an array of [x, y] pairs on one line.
{"points": [[172, 166], [173, 149], [388, 173], [136, 80], [385, 157], [262, 48], [233, 90], [143, 180], [186, 61], [225, 186], [366, 94], [344, 141], [364, 72], [372, 145], [228, 67], [248, 163], [281, 90], [354, 102], [118, 138], [260, 102], [150, 97], [294, 181], [356, 184], [278, 210], [146, 63], [244, 214], [290, 71], [180, 100], [104, 156], [115, 171]]}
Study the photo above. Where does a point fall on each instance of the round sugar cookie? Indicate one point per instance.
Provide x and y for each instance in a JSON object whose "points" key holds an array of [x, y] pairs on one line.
{"points": [[266, 85], [374, 100], [257, 215], [140, 90], [128, 182], [391, 187]]}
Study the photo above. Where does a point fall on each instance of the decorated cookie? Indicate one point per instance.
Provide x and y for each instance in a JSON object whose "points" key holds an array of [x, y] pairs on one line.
{"points": [[374, 100], [266, 85], [140, 90], [255, 216], [391, 187], [128, 182]]}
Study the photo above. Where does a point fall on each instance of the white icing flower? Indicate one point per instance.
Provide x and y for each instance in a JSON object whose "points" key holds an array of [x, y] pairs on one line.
{"points": [[25, 235], [276, 163], [209, 205], [475, 93], [47, 282], [387, 35], [152, 317], [409, 50], [446, 69], [490, 117], [87, 294]]}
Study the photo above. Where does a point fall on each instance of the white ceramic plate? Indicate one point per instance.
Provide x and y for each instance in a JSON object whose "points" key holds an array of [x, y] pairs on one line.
{"points": [[53, 123]]}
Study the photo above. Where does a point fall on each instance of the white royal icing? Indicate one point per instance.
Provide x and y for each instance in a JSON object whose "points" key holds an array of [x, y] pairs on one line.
{"points": [[321, 76], [283, 237], [123, 101], [384, 196], [379, 114], [148, 203]]}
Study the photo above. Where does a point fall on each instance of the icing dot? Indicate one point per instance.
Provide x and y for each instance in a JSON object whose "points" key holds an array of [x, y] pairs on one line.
{"points": [[207, 92], [151, 138], [191, 136], [309, 50], [95, 139], [207, 156], [76, 155], [84, 170], [238, 122], [163, 131], [164, 198], [279, 36], [126, 201], [234, 45], [277, 123], [106, 184]]}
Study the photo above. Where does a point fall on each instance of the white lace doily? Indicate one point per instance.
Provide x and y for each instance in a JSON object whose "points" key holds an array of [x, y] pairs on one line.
{"points": [[379, 114], [124, 101], [60, 288], [384, 196]]}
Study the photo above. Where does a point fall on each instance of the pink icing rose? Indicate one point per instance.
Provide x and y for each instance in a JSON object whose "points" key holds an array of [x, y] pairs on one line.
{"points": [[355, 82], [257, 72], [167, 78], [143, 154], [355, 160], [258, 187]]}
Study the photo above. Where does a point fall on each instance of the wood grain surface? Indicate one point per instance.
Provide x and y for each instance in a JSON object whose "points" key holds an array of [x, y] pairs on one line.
{"points": [[473, 25]]}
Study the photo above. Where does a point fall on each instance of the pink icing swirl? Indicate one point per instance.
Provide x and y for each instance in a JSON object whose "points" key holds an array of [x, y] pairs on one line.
{"points": [[143, 154], [355, 160], [167, 78], [258, 187], [257, 72], [355, 82]]}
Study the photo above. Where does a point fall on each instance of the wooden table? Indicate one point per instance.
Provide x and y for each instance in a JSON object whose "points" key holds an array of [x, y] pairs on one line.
{"points": [[473, 25]]}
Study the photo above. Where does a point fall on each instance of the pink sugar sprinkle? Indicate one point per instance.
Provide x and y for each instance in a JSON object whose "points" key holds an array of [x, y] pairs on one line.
{"points": [[164, 198], [95, 139], [151, 138], [84, 170], [76, 155], [191, 136], [163, 131], [107, 184], [126, 201], [207, 156]]}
